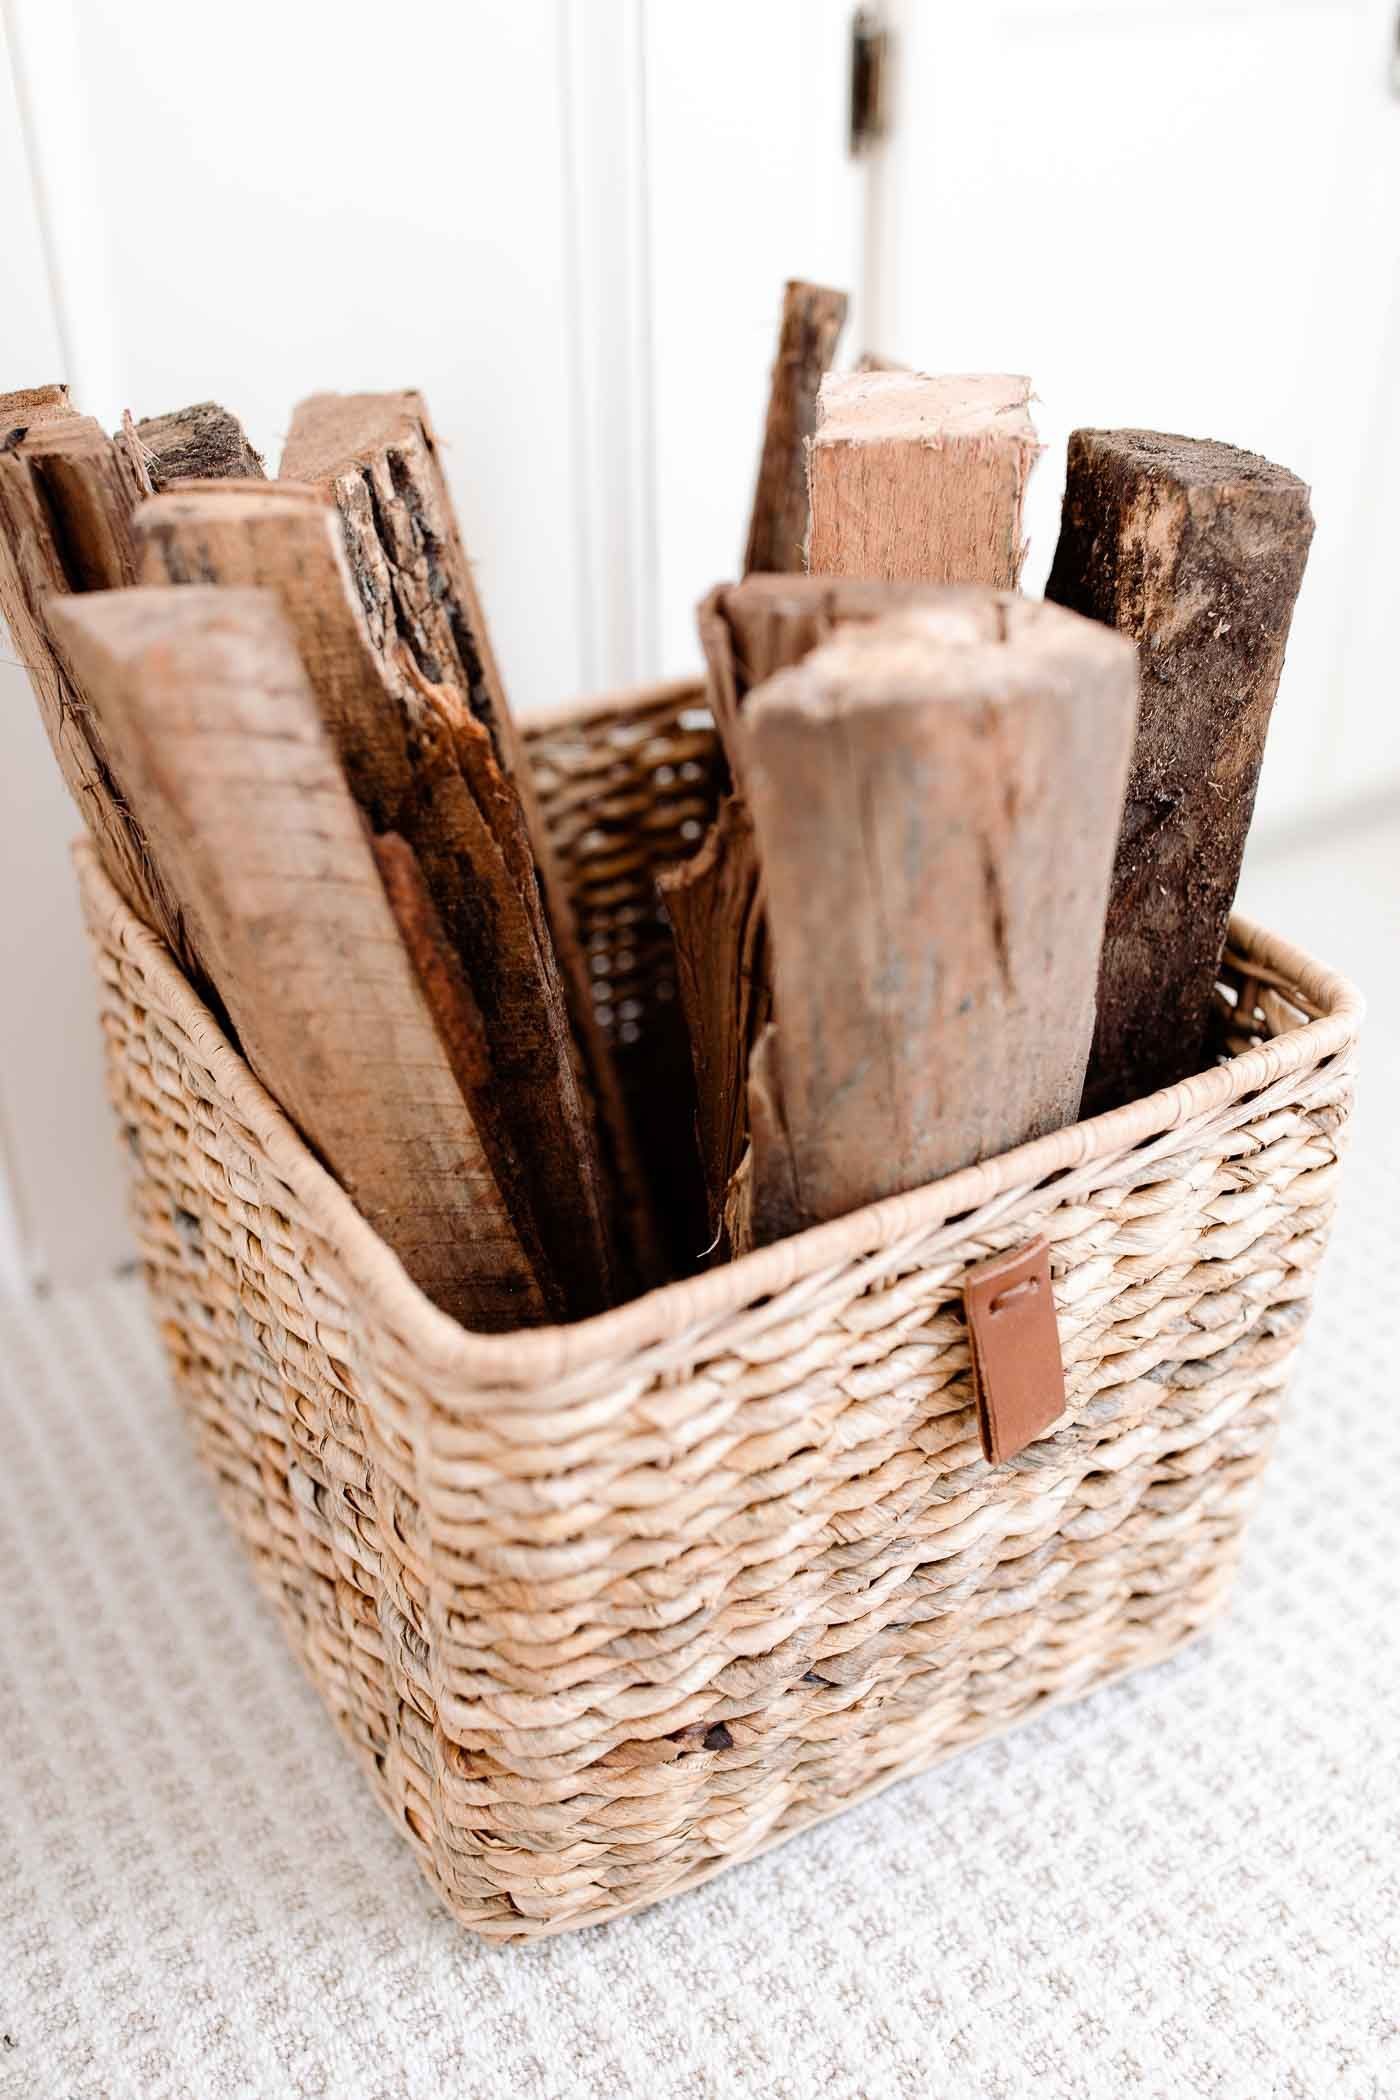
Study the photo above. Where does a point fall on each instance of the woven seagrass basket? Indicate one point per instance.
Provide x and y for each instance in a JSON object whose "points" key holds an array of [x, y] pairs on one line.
{"points": [[606, 1608]]}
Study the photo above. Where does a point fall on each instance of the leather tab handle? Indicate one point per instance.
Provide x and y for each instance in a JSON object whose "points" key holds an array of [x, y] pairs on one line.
{"points": [[1017, 1371]]}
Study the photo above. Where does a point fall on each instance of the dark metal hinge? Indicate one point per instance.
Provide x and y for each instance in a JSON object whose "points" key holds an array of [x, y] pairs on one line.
{"points": [[869, 80]]}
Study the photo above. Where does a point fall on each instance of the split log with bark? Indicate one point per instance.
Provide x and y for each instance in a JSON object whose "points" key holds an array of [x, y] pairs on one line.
{"points": [[377, 455], [420, 765], [202, 699]]}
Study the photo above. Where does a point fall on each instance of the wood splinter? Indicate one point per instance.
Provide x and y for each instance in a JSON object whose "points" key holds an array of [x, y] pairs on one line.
{"points": [[934, 922], [1196, 551], [813, 317], [713, 904]]}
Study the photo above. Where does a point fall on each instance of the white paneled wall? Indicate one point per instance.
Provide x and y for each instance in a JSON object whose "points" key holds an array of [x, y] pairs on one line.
{"points": [[750, 185], [1187, 217]]}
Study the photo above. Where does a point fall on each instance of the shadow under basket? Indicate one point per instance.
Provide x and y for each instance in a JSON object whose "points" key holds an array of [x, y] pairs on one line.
{"points": [[606, 1608]]}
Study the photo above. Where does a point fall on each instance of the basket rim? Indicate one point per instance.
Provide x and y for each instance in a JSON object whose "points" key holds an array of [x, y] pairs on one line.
{"points": [[628, 703], [530, 1357]]}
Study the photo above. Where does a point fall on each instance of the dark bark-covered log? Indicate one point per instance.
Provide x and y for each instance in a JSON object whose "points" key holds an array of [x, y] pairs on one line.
{"points": [[419, 764], [1196, 551], [936, 799], [377, 455], [813, 317], [202, 699], [920, 479]]}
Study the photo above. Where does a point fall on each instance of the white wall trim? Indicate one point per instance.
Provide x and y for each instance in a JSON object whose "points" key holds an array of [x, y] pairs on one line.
{"points": [[606, 208], [46, 63], [16, 1265]]}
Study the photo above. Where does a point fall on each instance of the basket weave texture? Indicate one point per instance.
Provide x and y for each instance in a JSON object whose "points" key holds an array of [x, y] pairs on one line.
{"points": [[608, 1607]]}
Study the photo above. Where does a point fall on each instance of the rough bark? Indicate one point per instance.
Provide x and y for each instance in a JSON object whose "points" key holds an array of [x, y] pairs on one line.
{"points": [[420, 765], [463, 1035], [47, 549], [920, 479], [201, 443], [1196, 551], [712, 902], [203, 700], [377, 455], [29, 405], [936, 799], [813, 317]]}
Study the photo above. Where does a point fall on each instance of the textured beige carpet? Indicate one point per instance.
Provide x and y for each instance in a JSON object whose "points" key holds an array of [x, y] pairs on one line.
{"points": [[1187, 1885]]}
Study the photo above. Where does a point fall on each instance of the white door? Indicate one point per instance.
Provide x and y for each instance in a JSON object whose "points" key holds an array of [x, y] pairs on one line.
{"points": [[1183, 214]]}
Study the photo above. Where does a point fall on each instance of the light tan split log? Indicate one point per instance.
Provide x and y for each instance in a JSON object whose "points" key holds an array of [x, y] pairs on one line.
{"points": [[748, 631], [920, 479], [419, 764], [813, 317], [1196, 550], [201, 697], [935, 798], [201, 443], [277, 536], [377, 455], [765, 624]]}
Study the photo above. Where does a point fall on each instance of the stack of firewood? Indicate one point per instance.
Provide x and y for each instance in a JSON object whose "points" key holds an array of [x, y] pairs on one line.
{"points": [[972, 868]]}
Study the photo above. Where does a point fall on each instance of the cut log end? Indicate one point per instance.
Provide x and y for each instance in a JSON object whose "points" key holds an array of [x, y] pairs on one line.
{"points": [[919, 478], [205, 442]]}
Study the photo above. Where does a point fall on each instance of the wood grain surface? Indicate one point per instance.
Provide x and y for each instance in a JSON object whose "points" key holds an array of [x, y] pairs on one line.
{"points": [[419, 764], [201, 696], [920, 479], [378, 457], [936, 799]]}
